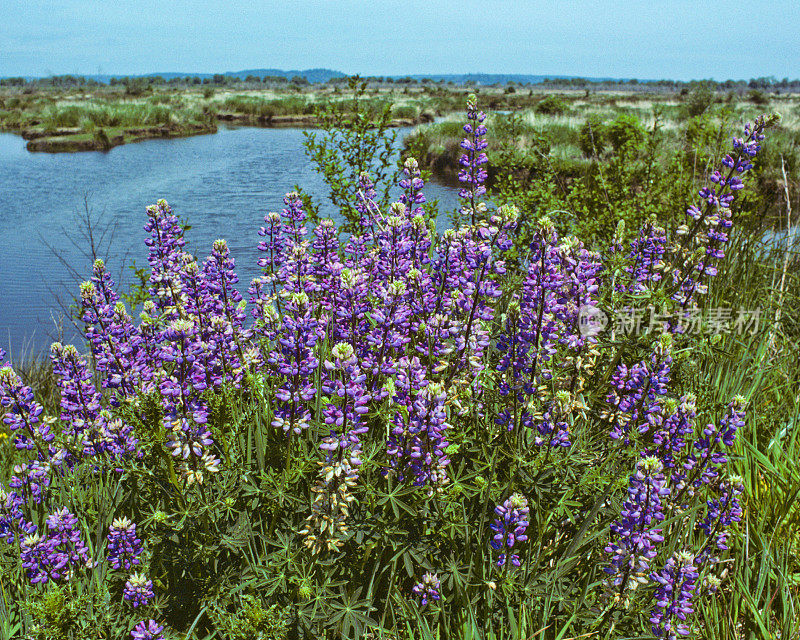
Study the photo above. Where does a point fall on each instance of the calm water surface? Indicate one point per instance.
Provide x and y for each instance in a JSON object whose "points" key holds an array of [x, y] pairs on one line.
{"points": [[223, 184]]}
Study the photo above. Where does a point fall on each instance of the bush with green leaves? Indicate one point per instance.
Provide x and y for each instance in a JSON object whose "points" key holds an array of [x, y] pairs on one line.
{"points": [[355, 139], [625, 132], [698, 99], [551, 105]]}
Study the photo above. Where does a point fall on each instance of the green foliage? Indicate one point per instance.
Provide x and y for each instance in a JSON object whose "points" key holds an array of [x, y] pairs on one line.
{"points": [[136, 86], [249, 621], [405, 111], [699, 98], [355, 138], [60, 613], [267, 109], [625, 133], [551, 105], [756, 96]]}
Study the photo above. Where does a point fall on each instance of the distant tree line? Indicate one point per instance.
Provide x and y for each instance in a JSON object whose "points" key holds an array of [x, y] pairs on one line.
{"points": [[138, 84], [762, 84], [218, 79]]}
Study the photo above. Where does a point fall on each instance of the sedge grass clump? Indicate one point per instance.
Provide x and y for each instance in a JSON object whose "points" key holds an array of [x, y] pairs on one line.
{"points": [[394, 431]]}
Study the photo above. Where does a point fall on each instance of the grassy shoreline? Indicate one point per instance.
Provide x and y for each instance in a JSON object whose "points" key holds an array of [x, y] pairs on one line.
{"points": [[79, 121], [101, 117]]}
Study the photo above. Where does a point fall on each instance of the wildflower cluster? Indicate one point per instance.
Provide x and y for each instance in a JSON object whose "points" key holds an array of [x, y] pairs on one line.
{"points": [[124, 548], [509, 528], [706, 231], [372, 396], [427, 589]]}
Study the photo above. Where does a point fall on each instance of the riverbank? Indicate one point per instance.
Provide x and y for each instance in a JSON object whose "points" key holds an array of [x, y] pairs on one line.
{"points": [[82, 118], [72, 140], [65, 121], [69, 140]]}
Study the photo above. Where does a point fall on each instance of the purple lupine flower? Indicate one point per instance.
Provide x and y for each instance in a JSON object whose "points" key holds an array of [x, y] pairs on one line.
{"points": [[69, 549], [326, 263], [427, 589], [80, 400], [165, 256], [417, 444], [721, 513], [473, 173], [138, 590], [673, 435], [712, 213], [677, 582], [23, 414], [710, 449], [509, 528], [635, 535], [185, 411], [224, 314], [412, 183], [343, 384], [115, 341], [295, 362], [31, 479], [296, 271], [349, 305], [387, 338], [636, 395], [273, 247], [148, 631], [13, 525], [124, 548], [467, 276], [37, 556], [203, 373], [55, 555], [541, 305], [562, 280], [581, 282], [645, 260], [115, 439]]}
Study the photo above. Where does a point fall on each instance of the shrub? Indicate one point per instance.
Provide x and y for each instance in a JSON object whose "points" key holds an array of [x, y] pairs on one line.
{"points": [[625, 131], [756, 96], [593, 136], [63, 117], [551, 105], [699, 99], [408, 111]]}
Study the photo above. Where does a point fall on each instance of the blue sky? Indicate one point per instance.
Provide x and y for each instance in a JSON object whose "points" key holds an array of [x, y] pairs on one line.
{"points": [[677, 39]]}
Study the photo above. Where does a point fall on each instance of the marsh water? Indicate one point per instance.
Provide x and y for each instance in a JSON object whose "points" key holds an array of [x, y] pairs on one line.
{"points": [[222, 184]]}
